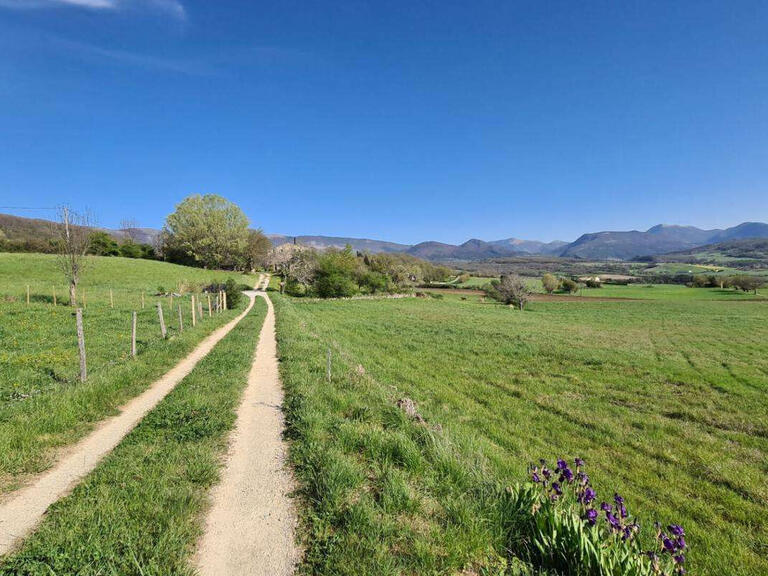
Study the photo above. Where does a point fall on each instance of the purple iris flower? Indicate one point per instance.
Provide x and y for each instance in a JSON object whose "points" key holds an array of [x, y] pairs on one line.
{"points": [[589, 495], [618, 499], [567, 475], [605, 507], [556, 488], [676, 529], [579, 462], [613, 521], [592, 516], [679, 559], [546, 472], [535, 477], [623, 511], [681, 543], [561, 464], [668, 544]]}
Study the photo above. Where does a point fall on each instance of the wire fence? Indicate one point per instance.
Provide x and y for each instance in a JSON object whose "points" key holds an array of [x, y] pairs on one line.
{"points": [[40, 335]]}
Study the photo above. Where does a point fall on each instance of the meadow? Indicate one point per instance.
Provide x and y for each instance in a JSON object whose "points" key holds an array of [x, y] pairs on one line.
{"points": [[665, 398], [43, 406], [667, 292]]}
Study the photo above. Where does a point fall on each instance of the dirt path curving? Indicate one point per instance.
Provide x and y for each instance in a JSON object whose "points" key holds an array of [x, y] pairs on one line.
{"points": [[250, 528], [22, 511]]}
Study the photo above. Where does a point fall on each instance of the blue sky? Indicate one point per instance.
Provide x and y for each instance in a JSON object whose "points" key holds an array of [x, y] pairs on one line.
{"points": [[403, 121]]}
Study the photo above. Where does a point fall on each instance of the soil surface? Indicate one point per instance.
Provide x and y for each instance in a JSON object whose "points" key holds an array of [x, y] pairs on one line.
{"points": [[250, 527]]}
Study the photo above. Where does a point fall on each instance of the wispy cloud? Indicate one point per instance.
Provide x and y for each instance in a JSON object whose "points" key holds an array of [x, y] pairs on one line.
{"points": [[137, 60], [172, 8]]}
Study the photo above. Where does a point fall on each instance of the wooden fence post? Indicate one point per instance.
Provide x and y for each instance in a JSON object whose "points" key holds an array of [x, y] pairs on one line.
{"points": [[170, 305], [133, 334], [27, 294], [194, 323], [224, 295], [181, 320], [199, 309], [209, 305], [54, 295], [81, 345], [162, 321], [111, 299]]}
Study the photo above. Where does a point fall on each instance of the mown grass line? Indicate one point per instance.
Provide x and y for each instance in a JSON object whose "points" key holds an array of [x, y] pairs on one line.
{"points": [[665, 400], [140, 511]]}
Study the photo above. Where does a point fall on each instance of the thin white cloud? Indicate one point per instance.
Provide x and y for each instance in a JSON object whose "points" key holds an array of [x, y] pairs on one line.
{"points": [[145, 61], [173, 8]]}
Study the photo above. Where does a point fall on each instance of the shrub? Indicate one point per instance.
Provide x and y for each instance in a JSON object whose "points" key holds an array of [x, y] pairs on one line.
{"points": [[568, 285], [555, 522], [231, 287], [372, 282], [335, 274], [509, 290], [593, 283], [234, 292], [335, 285], [549, 283]]}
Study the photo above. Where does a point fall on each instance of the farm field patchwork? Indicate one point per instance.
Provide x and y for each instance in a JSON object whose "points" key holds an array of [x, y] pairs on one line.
{"points": [[665, 399], [140, 511], [43, 406]]}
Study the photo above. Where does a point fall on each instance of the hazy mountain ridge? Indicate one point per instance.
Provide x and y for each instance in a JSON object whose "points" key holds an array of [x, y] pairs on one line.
{"points": [[607, 245], [659, 239]]}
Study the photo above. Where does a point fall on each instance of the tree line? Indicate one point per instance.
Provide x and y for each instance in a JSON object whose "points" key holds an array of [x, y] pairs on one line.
{"points": [[341, 273]]}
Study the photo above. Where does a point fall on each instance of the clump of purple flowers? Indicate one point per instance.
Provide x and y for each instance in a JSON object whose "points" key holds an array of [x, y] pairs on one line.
{"points": [[672, 543], [563, 481], [553, 482]]}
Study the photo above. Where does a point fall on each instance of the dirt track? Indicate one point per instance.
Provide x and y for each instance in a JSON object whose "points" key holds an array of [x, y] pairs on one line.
{"points": [[251, 524], [22, 511]]}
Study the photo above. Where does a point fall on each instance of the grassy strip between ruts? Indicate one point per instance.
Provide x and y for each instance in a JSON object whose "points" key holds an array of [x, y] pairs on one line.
{"points": [[140, 511]]}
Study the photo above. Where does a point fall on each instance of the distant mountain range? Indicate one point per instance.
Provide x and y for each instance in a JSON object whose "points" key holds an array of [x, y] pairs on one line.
{"points": [[470, 250], [595, 246], [630, 245], [657, 240]]}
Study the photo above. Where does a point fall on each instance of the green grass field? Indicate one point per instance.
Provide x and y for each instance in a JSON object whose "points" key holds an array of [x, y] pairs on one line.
{"points": [[665, 398], [140, 511], [473, 282], [43, 406], [669, 292]]}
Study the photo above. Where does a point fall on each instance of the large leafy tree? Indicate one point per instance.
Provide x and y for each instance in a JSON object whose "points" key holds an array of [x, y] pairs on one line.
{"points": [[208, 231]]}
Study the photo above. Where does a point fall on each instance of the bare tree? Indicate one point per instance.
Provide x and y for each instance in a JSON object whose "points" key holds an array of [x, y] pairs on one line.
{"points": [[510, 290], [72, 238], [131, 228]]}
